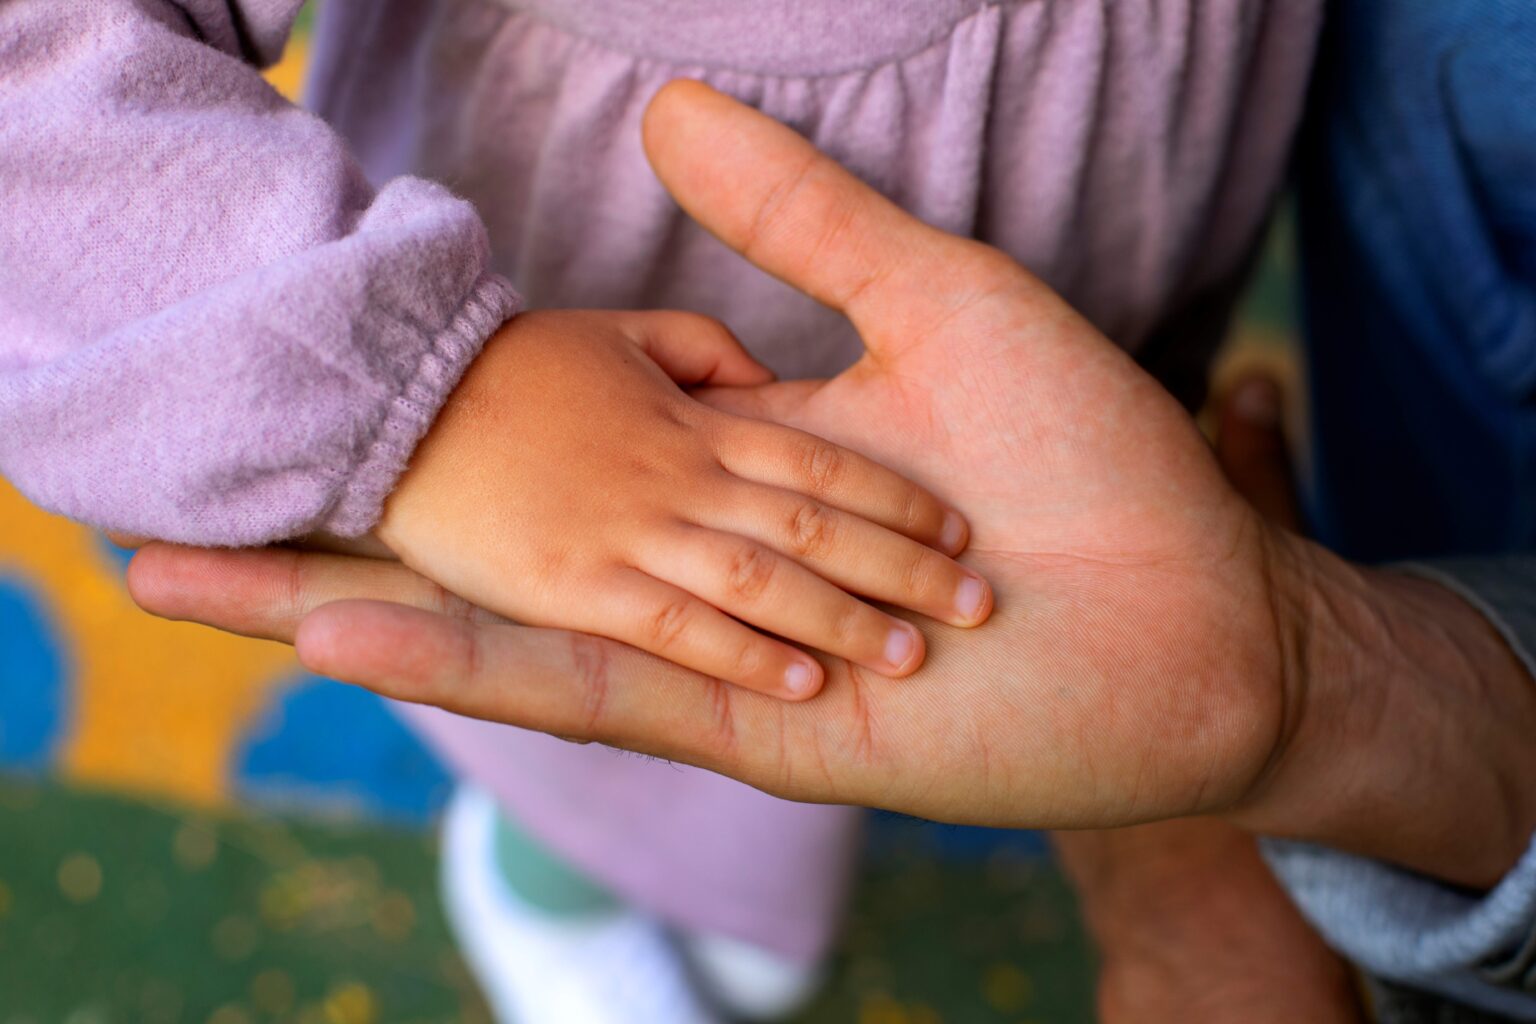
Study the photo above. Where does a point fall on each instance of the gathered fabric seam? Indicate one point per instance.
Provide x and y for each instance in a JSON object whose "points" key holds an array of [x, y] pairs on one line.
{"points": [[647, 60]]}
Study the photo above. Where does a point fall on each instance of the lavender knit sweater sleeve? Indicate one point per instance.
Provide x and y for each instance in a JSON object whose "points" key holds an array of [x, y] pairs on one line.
{"points": [[212, 328]]}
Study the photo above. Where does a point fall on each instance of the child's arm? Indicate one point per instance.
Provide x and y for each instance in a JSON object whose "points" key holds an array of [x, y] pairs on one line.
{"points": [[211, 328]]}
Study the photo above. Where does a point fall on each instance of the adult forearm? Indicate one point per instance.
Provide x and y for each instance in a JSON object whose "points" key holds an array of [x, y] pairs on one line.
{"points": [[1412, 734], [1190, 924]]}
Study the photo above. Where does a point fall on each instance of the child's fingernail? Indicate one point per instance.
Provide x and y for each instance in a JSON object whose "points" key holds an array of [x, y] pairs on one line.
{"points": [[971, 598], [900, 646], [799, 677], [952, 536]]}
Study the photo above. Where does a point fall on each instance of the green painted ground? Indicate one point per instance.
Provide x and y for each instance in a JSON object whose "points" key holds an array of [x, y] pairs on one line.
{"points": [[114, 910]]}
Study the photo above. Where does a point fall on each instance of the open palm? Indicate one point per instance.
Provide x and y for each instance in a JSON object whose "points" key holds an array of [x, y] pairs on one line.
{"points": [[1133, 661], [1134, 667]]}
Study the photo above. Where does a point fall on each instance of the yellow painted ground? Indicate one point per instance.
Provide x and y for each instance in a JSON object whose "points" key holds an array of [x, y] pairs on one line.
{"points": [[288, 74], [155, 706]]}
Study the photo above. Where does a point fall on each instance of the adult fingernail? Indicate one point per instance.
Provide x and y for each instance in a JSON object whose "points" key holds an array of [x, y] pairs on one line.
{"points": [[799, 677], [900, 646], [1257, 402], [952, 536], [971, 599]]}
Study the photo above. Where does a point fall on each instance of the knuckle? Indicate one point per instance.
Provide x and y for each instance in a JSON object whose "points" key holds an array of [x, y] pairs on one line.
{"points": [[810, 529], [847, 622], [464, 666], [295, 585], [840, 221], [771, 206], [747, 661], [666, 625], [912, 509], [991, 265], [919, 572], [722, 739], [589, 659], [751, 570], [822, 464], [445, 602]]}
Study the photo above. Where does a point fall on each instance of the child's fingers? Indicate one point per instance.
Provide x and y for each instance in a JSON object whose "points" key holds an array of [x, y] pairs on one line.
{"points": [[695, 349], [656, 616], [854, 554], [797, 461], [763, 588]]}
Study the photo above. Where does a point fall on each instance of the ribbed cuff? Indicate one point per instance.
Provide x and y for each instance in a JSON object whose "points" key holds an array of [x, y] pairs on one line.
{"points": [[410, 413], [1411, 929]]}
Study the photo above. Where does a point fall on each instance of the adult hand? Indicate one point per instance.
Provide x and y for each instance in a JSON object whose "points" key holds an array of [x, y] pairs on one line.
{"points": [[1135, 667], [1190, 924], [1146, 657]]}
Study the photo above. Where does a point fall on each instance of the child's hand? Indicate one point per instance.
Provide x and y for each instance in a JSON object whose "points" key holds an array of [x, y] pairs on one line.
{"points": [[569, 482]]}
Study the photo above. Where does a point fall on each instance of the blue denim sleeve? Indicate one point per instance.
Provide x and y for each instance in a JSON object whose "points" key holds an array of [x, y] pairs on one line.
{"points": [[1476, 948]]}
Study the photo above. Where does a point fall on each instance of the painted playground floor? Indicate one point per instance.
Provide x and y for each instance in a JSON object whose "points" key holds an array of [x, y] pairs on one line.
{"points": [[187, 836]]}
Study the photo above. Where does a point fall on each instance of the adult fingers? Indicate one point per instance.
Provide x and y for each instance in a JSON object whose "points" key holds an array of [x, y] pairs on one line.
{"points": [[266, 592], [566, 684], [772, 196], [1251, 447]]}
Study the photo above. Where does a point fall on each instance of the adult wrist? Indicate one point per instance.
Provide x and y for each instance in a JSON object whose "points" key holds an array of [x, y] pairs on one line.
{"points": [[1407, 725]]}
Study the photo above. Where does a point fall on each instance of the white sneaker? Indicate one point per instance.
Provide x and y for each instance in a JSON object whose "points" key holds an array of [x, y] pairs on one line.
{"points": [[540, 968], [749, 981]]}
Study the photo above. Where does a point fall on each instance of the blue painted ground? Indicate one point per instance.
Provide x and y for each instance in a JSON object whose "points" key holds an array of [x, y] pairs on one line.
{"points": [[33, 680]]}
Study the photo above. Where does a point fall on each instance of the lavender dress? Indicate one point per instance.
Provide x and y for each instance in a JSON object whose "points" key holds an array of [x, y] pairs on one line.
{"points": [[213, 328]]}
